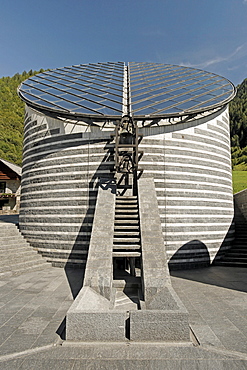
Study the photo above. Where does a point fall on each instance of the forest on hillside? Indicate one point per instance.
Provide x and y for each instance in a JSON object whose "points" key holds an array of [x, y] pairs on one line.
{"points": [[238, 127], [12, 117]]}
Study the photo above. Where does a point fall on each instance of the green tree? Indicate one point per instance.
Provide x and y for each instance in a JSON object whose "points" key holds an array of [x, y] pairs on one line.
{"points": [[12, 117]]}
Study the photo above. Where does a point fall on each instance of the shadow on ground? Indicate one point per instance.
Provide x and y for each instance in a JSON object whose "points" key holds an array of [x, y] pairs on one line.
{"points": [[234, 278]]}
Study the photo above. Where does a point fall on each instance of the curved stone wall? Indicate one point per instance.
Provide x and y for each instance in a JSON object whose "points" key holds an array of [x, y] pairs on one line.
{"points": [[190, 163], [61, 166], [191, 166]]}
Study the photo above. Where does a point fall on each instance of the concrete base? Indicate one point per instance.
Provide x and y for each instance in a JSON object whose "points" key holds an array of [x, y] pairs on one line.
{"points": [[165, 319], [91, 319], [92, 316], [159, 326]]}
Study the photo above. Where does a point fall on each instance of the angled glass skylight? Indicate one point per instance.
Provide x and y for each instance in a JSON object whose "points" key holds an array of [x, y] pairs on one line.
{"points": [[161, 90], [109, 90]]}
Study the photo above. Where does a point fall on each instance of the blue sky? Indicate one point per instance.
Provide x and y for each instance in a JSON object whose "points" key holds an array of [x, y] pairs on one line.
{"points": [[205, 34]]}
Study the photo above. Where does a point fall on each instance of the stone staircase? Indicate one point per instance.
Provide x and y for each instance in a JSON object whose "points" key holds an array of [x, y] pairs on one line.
{"points": [[127, 247], [126, 242], [236, 256], [16, 254]]}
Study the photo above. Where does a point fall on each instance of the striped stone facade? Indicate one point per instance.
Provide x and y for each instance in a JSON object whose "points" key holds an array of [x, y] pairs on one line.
{"points": [[190, 163], [191, 166]]}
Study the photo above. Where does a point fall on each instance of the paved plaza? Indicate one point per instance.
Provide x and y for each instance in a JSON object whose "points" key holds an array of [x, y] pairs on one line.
{"points": [[34, 305]]}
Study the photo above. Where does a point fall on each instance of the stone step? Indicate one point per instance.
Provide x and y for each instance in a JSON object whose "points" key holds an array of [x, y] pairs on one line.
{"points": [[126, 212], [67, 260], [126, 254], [18, 255], [19, 265], [19, 244], [126, 246], [239, 245], [126, 217], [230, 264], [7, 225], [234, 259], [122, 200], [124, 240], [120, 204], [12, 236], [130, 282], [24, 269], [236, 252], [64, 256], [126, 300], [126, 222], [126, 227], [127, 234]]}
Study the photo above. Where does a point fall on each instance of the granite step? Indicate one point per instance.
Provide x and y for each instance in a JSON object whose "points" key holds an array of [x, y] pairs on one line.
{"points": [[125, 217], [126, 254], [127, 246], [124, 240], [126, 227], [126, 221], [26, 268], [126, 234], [231, 263], [21, 265]]}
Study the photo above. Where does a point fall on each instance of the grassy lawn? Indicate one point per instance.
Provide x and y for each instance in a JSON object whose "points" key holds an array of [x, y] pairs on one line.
{"points": [[239, 179]]}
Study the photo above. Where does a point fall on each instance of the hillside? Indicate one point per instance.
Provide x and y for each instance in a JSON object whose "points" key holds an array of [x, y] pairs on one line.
{"points": [[12, 116], [238, 125]]}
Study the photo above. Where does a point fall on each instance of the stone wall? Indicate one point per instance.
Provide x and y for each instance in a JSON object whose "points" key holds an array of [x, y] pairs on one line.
{"points": [[190, 163], [61, 167], [191, 166], [240, 200]]}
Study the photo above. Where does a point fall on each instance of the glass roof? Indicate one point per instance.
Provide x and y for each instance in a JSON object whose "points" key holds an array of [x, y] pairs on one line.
{"points": [[145, 90], [162, 90]]}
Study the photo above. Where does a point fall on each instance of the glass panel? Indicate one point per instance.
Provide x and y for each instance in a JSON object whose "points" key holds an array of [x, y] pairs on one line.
{"points": [[50, 98], [183, 97], [164, 104], [187, 105], [57, 92], [203, 97], [112, 104], [35, 92], [143, 111], [138, 97], [108, 111], [171, 111], [71, 98], [82, 110], [91, 105], [142, 104], [162, 97], [29, 97], [94, 97], [46, 104]]}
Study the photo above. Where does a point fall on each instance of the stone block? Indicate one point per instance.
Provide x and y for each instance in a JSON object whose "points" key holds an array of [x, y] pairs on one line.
{"points": [[90, 319], [159, 326], [165, 298]]}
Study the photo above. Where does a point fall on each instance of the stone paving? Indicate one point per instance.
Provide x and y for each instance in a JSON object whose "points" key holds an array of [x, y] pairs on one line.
{"points": [[34, 305]]}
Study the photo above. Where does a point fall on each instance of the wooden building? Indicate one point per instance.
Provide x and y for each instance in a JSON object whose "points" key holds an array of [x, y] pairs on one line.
{"points": [[10, 183]]}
